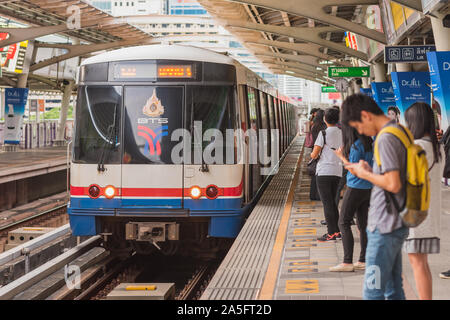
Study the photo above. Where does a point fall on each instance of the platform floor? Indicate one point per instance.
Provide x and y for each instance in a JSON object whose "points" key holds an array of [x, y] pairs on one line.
{"points": [[21, 164], [296, 265]]}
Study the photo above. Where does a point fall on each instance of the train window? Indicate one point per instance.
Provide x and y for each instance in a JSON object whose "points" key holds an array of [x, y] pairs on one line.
{"points": [[151, 114], [271, 113], [253, 119], [98, 115], [214, 107], [263, 110]]}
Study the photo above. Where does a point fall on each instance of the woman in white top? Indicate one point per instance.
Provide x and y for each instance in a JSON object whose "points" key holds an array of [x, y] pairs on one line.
{"points": [[424, 239]]}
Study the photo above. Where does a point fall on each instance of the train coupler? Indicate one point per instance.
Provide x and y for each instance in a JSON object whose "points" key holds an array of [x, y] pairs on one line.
{"points": [[152, 231]]}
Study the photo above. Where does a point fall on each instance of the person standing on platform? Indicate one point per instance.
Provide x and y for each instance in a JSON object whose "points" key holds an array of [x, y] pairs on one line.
{"points": [[317, 127], [424, 239], [385, 230], [356, 197], [329, 172]]}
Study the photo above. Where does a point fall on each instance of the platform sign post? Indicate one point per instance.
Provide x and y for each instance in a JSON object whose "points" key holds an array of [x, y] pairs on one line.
{"points": [[348, 72], [15, 101], [383, 94], [439, 66], [410, 87], [407, 54]]}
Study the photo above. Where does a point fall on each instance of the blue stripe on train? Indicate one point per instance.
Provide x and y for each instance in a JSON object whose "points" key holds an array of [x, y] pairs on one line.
{"points": [[226, 215]]}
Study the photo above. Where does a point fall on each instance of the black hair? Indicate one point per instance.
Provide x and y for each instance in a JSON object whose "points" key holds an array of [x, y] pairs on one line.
{"points": [[395, 109], [318, 118], [313, 110], [332, 116], [335, 107], [420, 119], [350, 136], [354, 104]]}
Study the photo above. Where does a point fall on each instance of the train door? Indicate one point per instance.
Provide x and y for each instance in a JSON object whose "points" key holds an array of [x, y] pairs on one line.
{"points": [[151, 177]]}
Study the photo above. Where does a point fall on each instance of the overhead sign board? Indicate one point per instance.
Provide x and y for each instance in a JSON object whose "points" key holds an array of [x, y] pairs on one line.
{"points": [[407, 54], [328, 89], [348, 72]]}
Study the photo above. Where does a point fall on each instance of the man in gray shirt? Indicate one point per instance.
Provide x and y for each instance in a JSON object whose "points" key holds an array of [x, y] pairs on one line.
{"points": [[385, 231]]}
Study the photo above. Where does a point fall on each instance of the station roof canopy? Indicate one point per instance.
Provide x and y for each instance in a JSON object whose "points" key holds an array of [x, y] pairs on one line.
{"points": [[98, 30], [298, 37]]}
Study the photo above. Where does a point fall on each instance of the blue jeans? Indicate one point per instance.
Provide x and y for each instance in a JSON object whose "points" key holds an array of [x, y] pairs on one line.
{"points": [[383, 276]]}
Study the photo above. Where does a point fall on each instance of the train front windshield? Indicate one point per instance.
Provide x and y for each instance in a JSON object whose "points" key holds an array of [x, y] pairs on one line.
{"points": [[134, 124]]}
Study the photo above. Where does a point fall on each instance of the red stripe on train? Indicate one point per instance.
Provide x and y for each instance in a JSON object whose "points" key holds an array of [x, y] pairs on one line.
{"points": [[157, 192]]}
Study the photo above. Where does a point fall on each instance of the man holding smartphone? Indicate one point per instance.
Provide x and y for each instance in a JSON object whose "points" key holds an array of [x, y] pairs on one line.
{"points": [[385, 230]]}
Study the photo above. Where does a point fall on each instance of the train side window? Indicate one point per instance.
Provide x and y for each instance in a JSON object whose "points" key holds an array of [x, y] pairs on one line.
{"points": [[214, 107], [252, 112], [271, 113], [98, 118]]}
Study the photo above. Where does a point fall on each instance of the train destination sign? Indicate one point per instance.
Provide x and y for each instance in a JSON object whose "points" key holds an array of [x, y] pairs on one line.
{"points": [[328, 89], [407, 54], [348, 72]]}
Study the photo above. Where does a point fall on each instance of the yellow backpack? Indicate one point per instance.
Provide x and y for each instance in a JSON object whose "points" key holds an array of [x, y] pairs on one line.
{"points": [[417, 179]]}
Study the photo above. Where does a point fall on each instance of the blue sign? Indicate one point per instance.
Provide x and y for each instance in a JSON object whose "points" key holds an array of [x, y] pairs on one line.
{"points": [[410, 87], [15, 101], [407, 54], [383, 94], [366, 91], [439, 65]]}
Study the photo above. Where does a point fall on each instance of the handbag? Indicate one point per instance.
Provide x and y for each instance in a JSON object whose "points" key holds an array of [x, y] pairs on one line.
{"points": [[312, 164], [309, 143]]}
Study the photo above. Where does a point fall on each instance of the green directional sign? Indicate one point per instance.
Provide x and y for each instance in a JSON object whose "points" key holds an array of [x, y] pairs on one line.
{"points": [[328, 89], [348, 72]]}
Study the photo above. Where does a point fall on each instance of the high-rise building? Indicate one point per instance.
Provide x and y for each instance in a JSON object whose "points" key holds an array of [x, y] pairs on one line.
{"points": [[104, 5], [130, 7], [186, 7]]}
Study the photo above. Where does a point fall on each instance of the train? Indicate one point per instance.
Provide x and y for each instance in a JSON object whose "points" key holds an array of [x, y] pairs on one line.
{"points": [[149, 169]]}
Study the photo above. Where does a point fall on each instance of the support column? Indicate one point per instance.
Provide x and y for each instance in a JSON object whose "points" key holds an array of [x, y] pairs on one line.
{"points": [[440, 33], [403, 67], [63, 115], [356, 87], [380, 72], [365, 83], [350, 89]]}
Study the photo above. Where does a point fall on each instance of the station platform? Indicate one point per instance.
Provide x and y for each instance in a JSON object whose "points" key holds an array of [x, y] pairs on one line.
{"points": [[28, 163], [277, 257]]}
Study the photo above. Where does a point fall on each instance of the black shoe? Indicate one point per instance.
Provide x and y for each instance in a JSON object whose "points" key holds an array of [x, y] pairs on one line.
{"points": [[323, 222], [327, 238], [445, 275]]}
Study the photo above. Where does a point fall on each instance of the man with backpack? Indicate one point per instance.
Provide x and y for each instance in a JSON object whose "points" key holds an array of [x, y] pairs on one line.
{"points": [[386, 229]]}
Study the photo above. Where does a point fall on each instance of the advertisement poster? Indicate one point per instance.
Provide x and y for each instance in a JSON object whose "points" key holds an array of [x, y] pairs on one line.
{"points": [[366, 91], [383, 94], [410, 87], [439, 65], [15, 101]]}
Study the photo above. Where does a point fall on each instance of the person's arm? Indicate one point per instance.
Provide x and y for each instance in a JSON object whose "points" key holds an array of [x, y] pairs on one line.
{"points": [[318, 145], [389, 181], [316, 151], [340, 155]]}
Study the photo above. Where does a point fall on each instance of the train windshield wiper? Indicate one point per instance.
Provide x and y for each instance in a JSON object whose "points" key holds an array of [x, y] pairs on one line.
{"points": [[108, 144]]}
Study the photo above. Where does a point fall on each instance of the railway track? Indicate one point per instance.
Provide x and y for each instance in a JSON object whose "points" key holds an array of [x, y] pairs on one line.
{"points": [[54, 217]]}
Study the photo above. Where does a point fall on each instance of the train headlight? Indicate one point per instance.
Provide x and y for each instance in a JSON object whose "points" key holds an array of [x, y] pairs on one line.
{"points": [[212, 192], [195, 192], [94, 191], [110, 192]]}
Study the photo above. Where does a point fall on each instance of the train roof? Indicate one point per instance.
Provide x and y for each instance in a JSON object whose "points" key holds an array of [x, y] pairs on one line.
{"points": [[169, 52]]}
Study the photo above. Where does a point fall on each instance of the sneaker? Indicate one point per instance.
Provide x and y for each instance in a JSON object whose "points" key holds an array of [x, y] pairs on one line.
{"points": [[327, 237], [445, 275], [323, 222], [342, 268], [359, 265], [338, 236]]}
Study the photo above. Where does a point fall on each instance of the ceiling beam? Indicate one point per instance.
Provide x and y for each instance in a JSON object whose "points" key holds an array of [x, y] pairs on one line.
{"points": [[315, 10]]}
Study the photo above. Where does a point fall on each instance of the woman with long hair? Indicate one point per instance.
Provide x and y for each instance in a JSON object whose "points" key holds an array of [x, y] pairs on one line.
{"points": [[356, 200], [424, 239], [317, 126]]}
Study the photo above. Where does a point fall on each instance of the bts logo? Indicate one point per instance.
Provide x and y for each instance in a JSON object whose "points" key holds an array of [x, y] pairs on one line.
{"points": [[152, 137]]}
